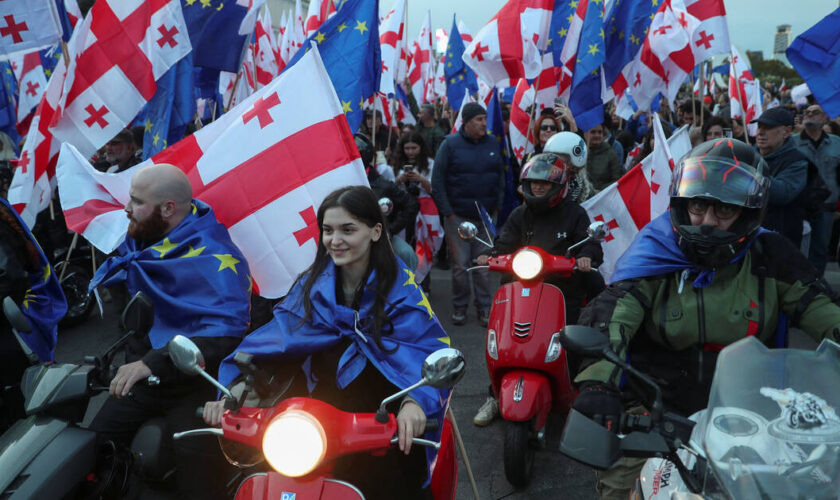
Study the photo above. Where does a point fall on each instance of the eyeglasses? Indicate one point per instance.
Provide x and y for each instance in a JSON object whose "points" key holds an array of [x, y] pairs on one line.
{"points": [[548, 128], [812, 112], [722, 210]]}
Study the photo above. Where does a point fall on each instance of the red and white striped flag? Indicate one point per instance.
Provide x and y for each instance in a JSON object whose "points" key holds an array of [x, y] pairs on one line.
{"points": [[28, 26], [34, 175], [546, 84], [392, 45], [421, 71], [120, 49], [641, 195], [265, 62], [32, 82], [429, 234], [521, 139], [318, 13], [248, 166], [500, 57]]}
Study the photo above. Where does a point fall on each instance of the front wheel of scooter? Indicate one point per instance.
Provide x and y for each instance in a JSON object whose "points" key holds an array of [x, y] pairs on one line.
{"points": [[518, 454]]}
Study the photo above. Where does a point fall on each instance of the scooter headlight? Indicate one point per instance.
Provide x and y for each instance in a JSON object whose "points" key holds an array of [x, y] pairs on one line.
{"points": [[294, 443], [527, 264], [492, 347], [553, 351]]}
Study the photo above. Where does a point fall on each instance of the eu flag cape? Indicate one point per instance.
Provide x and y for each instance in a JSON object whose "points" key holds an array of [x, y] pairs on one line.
{"points": [[196, 277], [44, 304], [417, 333]]}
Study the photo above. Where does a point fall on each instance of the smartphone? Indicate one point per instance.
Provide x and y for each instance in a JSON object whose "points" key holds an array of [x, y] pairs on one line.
{"points": [[727, 132], [559, 101], [408, 168]]}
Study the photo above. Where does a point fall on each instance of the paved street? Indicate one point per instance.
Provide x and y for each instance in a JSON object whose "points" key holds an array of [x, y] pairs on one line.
{"points": [[555, 476]]}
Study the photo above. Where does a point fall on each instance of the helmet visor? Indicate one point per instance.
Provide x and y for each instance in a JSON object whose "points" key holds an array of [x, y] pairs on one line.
{"points": [[545, 167], [721, 179]]}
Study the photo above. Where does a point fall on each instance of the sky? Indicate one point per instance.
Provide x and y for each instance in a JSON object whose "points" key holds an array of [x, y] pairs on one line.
{"points": [[752, 23]]}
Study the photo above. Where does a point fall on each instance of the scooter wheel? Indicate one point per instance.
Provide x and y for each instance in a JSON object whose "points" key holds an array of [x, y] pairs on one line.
{"points": [[518, 454]]}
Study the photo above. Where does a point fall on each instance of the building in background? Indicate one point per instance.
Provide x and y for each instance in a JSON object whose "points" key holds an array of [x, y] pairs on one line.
{"points": [[781, 42]]}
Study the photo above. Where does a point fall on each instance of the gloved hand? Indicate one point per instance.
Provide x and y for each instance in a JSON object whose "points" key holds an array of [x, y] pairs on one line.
{"points": [[600, 402]]}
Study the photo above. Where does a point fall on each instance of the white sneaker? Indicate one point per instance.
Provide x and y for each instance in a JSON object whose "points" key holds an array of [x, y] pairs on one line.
{"points": [[487, 413]]}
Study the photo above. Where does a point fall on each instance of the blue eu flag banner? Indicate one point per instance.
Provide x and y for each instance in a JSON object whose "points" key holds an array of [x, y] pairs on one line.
{"points": [[66, 29], [561, 19], [723, 69], [170, 109], [460, 79], [585, 95], [8, 104], [49, 60], [349, 46], [625, 31], [43, 304], [486, 220], [815, 55], [197, 251], [496, 128], [214, 32]]}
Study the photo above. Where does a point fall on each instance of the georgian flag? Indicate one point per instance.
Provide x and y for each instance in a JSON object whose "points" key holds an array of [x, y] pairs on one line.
{"points": [[264, 167], [641, 195], [119, 51], [421, 71], [739, 90], [429, 234], [28, 26], [265, 66], [501, 58], [317, 14], [392, 44], [521, 139], [32, 83]]}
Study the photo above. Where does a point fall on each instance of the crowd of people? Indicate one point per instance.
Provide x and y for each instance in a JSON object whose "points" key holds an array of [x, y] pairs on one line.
{"points": [[337, 322]]}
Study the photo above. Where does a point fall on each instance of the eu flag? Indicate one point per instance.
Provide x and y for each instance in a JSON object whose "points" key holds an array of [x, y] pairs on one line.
{"points": [[561, 20], [214, 32], [460, 79], [496, 128], [8, 104], [43, 304], [585, 94], [170, 109], [815, 55], [196, 277], [349, 46], [625, 31]]}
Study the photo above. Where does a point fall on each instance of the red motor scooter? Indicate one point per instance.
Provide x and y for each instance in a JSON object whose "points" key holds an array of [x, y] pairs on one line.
{"points": [[526, 363], [300, 437]]}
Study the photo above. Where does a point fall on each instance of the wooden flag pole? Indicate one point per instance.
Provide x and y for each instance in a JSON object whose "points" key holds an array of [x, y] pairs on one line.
{"points": [[702, 92]]}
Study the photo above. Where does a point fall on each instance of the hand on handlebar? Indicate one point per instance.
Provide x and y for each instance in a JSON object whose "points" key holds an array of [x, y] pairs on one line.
{"points": [[482, 260], [411, 422], [213, 411], [128, 375], [584, 264]]}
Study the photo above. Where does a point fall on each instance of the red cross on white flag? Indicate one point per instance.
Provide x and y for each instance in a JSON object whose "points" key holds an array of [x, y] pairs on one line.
{"points": [[32, 82], [421, 70], [641, 195], [120, 49], [264, 167], [521, 139], [28, 26], [392, 42]]}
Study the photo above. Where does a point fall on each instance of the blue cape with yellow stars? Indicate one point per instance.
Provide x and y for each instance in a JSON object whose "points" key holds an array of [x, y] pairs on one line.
{"points": [[44, 304], [196, 277], [417, 333]]}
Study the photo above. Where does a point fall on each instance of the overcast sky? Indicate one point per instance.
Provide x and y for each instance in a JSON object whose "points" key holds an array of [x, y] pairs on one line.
{"points": [[752, 23]]}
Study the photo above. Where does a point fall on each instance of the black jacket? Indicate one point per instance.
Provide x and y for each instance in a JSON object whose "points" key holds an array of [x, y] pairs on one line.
{"points": [[786, 205], [405, 206]]}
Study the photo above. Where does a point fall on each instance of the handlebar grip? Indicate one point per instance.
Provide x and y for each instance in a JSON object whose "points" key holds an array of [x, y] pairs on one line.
{"points": [[199, 412], [432, 425]]}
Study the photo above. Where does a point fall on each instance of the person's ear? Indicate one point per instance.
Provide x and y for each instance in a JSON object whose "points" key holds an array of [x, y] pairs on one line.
{"points": [[167, 209], [376, 233]]}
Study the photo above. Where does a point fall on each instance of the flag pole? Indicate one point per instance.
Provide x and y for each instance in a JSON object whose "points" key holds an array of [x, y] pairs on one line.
{"points": [[394, 118], [233, 91], [702, 91], [693, 101], [534, 105], [743, 108]]}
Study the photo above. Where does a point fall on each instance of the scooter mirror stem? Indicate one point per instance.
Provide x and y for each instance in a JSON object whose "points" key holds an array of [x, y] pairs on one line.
{"points": [[657, 406], [579, 243], [382, 412]]}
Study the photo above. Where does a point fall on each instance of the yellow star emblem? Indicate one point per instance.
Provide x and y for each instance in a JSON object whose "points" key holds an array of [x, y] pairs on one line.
{"points": [[342, 27], [29, 297], [634, 39], [410, 280], [47, 273], [189, 2], [320, 37], [593, 49], [570, 18], [621, 35], [221, 5], [48, 72], [361, 103], [148, 124], [425, 303], [449, 65], [602, 33], [573, 4], [446, 340], [164, 247], [461, 77], [206, 3], [562, 32], [155, 139], [250, 284], [654, 2], [345, 106], [227, 261], [194, 208], [361, 26], [193, 252]]}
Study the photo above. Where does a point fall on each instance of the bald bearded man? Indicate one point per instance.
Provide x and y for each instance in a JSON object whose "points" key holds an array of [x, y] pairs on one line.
{"points": [[179, 255]]}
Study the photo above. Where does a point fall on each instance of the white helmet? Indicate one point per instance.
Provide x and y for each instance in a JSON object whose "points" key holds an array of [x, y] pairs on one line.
{"points": [[569, 144]]}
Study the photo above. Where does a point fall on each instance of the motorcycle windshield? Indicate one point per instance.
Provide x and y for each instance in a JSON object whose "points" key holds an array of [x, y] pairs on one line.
{"points": [[772, 428]]}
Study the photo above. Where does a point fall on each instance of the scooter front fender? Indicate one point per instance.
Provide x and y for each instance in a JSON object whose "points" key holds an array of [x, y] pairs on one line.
{"points": [[523, 395], [271, 485]]}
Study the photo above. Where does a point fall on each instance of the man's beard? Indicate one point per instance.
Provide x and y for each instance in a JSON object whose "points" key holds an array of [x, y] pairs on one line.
{"points": [[150, 230]]}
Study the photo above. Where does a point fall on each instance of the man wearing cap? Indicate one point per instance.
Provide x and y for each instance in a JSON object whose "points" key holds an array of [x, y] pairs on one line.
{"points": [[428, 128], [788, 169], [119, 153], [468, 170], [823, 150]]}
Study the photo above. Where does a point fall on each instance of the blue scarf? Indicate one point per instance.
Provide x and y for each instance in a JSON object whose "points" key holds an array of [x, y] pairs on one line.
{"points": [[196, 277]]}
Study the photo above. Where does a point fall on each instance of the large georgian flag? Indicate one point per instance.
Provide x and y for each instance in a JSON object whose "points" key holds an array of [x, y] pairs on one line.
{"points": [[640, 196], [392, 45], [118, 52], [264, 167], [28, 26]]}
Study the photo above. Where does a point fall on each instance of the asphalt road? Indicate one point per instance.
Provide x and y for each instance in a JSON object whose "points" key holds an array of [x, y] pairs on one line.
{"points": [[554, 475]]}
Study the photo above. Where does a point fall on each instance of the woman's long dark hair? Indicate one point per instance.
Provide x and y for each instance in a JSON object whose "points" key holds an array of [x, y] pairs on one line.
{"points": [[361, 203], [422, 160]]}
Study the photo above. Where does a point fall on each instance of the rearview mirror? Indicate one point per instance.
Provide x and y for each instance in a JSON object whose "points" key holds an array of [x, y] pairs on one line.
{"points": [[598, 231], [443, 368], [15, 316], [585, 341], [185, 355], [138, 315], [467, 230]]}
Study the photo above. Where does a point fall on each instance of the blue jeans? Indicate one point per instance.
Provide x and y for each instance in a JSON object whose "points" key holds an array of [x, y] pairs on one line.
{"points": [[461, 255], [821, 224]]}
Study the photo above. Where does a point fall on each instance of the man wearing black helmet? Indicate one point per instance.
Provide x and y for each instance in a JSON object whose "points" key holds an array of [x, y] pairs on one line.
{"points": [[551, 220], [696, 279]]}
